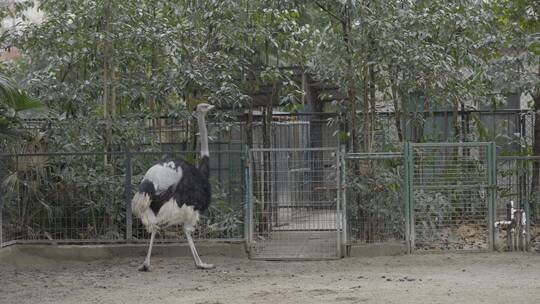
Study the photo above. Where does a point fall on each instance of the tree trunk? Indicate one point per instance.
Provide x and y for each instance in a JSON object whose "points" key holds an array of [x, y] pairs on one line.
{"points": [[365, 111], [249, 126], [107, 59], [109, 96], [315, 134], [373, 107], [351, 94], [396, 101], [535, 187], [455, 121], [397, 112]]}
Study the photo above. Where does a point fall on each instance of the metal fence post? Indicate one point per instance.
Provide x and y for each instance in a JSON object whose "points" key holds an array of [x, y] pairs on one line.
{"points": [[128, 192], [343, 189], [1, 219], [409, 198], [339, 216], [492, 188], [245, 162], [527, 209], [248, 225]]}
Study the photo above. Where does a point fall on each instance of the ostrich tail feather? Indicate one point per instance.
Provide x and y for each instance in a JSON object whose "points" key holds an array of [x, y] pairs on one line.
{"points": [[139, 203]]}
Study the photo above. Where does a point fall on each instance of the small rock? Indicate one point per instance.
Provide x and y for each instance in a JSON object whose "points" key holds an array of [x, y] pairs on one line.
{"points": [[383, 277], [388, 279], [463, 270]]}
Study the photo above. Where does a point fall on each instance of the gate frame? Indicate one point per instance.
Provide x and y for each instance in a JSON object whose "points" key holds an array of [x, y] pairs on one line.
{"points": [[491, 188], [250, 199]]}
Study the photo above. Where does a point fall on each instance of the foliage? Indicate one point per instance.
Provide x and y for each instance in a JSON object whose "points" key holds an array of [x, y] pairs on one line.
{"points": [[82, 197], [515, 69], [375, 201], [394, 49], [106, 70], [109, 58], [13, 101]]}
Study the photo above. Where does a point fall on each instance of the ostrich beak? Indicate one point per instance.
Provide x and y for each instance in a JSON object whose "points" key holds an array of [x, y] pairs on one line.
{"points": [[210, 107]]}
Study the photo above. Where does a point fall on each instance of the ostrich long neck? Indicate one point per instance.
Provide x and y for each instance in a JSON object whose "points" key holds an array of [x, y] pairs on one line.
{"points": [[204, 135]]}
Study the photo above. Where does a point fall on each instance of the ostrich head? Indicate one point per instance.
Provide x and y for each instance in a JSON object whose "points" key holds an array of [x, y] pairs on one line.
{"points": [[203, 108]]}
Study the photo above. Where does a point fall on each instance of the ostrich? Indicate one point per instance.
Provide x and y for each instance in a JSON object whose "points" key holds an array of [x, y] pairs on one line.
{"points": [[175, 192]]}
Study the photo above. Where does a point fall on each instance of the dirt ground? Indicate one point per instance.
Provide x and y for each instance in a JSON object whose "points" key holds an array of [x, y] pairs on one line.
{"points": [[435, 278]]}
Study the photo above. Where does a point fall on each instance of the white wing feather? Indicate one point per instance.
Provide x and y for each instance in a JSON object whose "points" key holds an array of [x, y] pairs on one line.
{"points": [[163, 175]]}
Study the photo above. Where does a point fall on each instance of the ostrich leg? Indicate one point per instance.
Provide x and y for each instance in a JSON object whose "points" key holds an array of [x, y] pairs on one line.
{"points": [[196, 257], [146, 265]]}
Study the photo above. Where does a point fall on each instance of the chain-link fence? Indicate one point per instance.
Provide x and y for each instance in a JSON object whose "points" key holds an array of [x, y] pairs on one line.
{"points": [[85, 197]]}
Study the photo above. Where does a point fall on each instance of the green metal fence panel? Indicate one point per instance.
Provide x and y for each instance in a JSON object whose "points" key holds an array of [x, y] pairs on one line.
{"points": [[374, 190], [453, 194]]}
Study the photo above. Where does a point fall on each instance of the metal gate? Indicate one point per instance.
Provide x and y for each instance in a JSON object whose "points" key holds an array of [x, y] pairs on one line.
{"points": [[294, 207], [451, 195]]}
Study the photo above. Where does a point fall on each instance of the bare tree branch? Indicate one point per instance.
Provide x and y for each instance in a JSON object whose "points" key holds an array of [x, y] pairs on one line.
{"points": [[327, 10]]}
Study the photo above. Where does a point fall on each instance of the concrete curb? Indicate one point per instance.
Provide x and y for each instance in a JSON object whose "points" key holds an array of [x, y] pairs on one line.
{"points": [[377, 250], [84, 253]]}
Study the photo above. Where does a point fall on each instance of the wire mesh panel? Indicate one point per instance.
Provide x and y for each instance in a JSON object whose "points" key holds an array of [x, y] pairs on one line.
{"points": [[224, 217], [375, 208], [82, 197], [69, 197], [518, 184], [451, 195], [295, 206]]}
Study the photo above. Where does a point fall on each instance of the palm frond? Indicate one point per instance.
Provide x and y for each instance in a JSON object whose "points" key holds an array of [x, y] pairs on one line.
{"points": [[13, 97]]}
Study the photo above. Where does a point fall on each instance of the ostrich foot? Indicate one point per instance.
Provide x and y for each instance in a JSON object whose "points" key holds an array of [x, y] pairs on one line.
{"points": [[205, 266], [144, 267]]}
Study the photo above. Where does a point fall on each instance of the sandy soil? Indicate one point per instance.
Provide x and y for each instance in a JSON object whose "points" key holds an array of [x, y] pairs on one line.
{"points": [[437, 278]]}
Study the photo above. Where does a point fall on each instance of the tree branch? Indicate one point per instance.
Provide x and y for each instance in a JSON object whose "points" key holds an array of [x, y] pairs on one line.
{"points": [[327, 10]]}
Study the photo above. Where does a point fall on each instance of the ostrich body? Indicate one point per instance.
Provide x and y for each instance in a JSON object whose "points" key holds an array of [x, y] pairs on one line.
{"points": [[175, 192]]}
